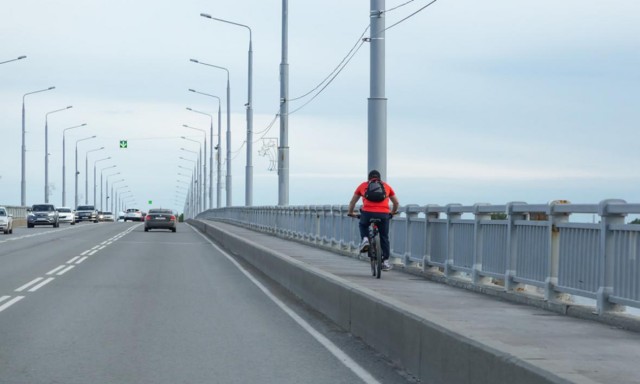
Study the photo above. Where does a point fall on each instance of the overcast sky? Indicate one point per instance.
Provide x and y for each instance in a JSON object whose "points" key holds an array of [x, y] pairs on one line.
{"points": [[488, 101]]}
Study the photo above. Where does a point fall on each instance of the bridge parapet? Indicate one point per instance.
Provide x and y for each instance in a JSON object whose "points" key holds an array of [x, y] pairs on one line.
{"points": [[525, 249]]}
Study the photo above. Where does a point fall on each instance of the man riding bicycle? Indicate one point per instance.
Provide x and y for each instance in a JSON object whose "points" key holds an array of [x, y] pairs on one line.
{"points": [[375, 205]]}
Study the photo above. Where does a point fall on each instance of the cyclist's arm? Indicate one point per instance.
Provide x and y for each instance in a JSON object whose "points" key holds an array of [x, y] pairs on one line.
{"points": [[352, 203], [396, 204]]}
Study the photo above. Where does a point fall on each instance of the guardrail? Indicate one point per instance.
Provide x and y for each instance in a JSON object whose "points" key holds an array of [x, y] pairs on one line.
{"points": [[19, 214], [511, 247]]}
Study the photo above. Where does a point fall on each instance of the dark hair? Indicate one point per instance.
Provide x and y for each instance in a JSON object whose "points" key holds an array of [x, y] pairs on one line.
{"points": [[374, 174]]}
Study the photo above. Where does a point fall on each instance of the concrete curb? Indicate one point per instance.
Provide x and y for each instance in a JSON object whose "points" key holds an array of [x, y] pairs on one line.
{"points": [[429, 351]]}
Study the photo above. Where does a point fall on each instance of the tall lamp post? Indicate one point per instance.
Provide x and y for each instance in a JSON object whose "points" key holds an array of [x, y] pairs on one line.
{"points": [[116, 199], [228, 177], [101, 174], [8, 61], [283, 150], [106, 188], [249, 170], [77, 141], [194, 182], [198, 177], [46, 151], [95, 184], [204, 162], [86, 174], [64, 180], [219, 166], [113, 200], [23, 182]]}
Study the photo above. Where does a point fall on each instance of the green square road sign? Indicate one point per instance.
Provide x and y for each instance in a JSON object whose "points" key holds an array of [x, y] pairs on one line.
{"points": [[123, 143]]}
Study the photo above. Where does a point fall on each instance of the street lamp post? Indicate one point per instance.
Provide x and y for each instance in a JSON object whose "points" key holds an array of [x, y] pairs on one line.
{"points": [[219, 165], [86, 174], [228, 177], [198, 176], [64, 180], [106, 188], [249, 169], [46, 151], [77, 141], [101, 173], [116, 200], [95, 184], [204, 162], [112, 195], [23, 182], [8, 61], [283, 150], [194, 182]]}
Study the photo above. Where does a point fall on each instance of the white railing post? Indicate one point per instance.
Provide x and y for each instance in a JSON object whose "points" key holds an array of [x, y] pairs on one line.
{"points": [[606, 254], [477, 241], [412, 211], [512, 244], [448, 270]]}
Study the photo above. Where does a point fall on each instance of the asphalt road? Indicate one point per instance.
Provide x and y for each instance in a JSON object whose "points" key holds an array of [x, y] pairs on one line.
{"points": [[109, 303]]}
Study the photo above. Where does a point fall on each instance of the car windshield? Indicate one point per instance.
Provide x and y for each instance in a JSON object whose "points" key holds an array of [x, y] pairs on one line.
{"points": [[43, 208], [3, 212], [64, 210], [85, 207], [108, 213], [130, 210]]}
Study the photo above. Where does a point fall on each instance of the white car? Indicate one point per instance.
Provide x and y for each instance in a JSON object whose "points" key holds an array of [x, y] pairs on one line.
{"points": [[108, 216], [133, 214], [6, 221], [66, 215]]}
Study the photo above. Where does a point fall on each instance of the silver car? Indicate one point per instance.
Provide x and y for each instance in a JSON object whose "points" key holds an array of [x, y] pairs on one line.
{"points": [[6, 221]]}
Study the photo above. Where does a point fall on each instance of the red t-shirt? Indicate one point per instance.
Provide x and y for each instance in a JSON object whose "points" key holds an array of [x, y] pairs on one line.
{"points": [[375, 206]]}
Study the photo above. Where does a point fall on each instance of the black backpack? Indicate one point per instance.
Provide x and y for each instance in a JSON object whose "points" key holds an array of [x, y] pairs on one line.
{"points": [[375, 191]]}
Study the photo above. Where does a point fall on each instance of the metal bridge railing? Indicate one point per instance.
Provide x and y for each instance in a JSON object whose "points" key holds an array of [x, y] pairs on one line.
{"points": [[510, 247]]}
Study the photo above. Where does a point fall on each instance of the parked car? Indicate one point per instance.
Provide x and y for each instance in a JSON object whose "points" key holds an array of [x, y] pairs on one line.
{"points": [[66, 215], [133, 214], [6, 221], [160, 219], [43, 214], [86, 213], [108, 216]]}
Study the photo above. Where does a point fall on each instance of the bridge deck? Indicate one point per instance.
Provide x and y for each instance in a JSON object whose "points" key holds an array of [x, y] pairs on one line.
{"points": [[566, 349]]}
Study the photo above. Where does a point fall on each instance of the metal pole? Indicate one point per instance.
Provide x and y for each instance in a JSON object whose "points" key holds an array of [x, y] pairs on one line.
{"points": [[219, 169], [377, 103], [283, 150], [64, 179], [228, 178], [249, 182], [76, 179], [46, 152], [23, 181], [211, 160]]}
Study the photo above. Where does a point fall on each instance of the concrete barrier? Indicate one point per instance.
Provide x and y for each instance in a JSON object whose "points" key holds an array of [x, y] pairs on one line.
{"points": [[425, 349]]}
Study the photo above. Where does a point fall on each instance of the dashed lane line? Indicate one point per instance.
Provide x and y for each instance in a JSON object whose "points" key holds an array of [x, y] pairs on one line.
{"points": [[32, 282], [67, 269], [10, 302], [58, 268], [42, 284]]}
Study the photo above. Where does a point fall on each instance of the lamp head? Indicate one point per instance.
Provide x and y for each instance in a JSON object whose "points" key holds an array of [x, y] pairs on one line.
{"points": [[22, 57], [205, 15], [194, 60]]}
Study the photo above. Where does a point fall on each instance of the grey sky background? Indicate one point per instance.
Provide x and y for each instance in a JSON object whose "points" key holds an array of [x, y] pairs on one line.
{"points": [[491, 101]]}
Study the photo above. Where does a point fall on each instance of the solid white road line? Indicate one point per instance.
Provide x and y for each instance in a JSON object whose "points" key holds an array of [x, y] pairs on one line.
{"points": [[51, 272], [10, 303], [29, 284], [42, 284], [70, 267], [331, 347]]}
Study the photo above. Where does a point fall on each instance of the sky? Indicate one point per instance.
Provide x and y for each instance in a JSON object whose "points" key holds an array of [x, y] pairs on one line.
{"points": [[488, 102]]}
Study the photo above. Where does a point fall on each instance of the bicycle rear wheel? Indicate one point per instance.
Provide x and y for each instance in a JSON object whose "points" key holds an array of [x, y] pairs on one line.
{"points": [[378, 256], [372, 260]]}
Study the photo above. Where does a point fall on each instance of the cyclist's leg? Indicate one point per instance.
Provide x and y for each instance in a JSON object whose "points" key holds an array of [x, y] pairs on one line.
{"points": [[364, 223], [383, 228]]}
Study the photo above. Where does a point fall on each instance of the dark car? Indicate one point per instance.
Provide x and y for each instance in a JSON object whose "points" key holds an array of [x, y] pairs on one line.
{"points": [[43, 214], [86, 213], [160, 219]]}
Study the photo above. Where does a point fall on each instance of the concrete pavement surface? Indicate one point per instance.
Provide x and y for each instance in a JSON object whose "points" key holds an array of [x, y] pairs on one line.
{"points": [[440, 333]]}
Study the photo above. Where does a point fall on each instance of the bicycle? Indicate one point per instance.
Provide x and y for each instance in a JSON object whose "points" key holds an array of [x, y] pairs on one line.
{"points": [[374, 251]]}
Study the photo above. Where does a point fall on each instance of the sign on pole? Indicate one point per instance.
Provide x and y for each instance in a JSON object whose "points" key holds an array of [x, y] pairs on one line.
{"points": [[123, 144]]}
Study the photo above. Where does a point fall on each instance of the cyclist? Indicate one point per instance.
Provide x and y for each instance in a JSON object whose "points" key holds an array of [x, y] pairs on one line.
{"points": [[375, 209]]}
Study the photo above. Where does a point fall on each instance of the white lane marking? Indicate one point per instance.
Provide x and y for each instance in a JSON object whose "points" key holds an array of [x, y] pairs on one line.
{"points": [[3, 298], [70, 267], [29, 284], [10, 303], [85, 252], [51, 272], [104, 242], [81, 260], [101, 248], [109, 243], [92, 252], [72, 260], [42, 284], [331, 347], [97, 246]]}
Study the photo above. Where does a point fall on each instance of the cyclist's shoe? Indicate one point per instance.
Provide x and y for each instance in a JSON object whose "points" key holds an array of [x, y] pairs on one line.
{"points": [[386, 265], [364, 246]]}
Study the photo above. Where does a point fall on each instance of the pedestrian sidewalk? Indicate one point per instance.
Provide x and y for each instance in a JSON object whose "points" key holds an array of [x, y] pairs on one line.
{"points": [[440, 333]]}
